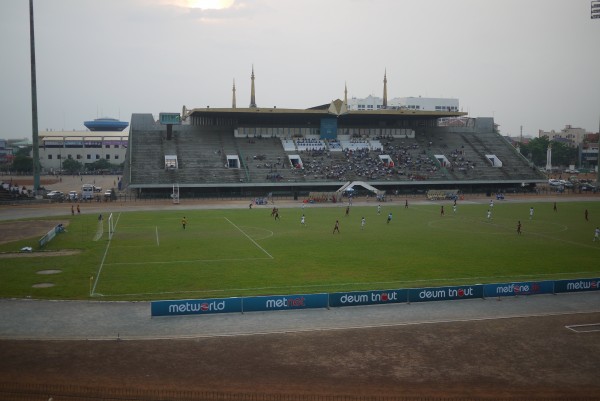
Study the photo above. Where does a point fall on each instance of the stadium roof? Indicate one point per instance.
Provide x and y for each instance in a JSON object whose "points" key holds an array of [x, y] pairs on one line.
{"points": [[336, 109]]}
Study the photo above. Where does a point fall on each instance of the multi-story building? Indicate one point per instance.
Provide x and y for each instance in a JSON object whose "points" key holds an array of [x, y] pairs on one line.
{"points": [[84, 146], [569, 135], [411, 103]]}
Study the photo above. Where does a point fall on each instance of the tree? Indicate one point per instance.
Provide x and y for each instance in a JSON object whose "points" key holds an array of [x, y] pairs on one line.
{"points": [[562, 155], [22, 164], [72, 166], [101, 164], [535, 150]]}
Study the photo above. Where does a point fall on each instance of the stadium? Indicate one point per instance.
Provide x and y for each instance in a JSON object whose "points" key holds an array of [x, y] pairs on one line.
{"points": [[326, 149], [425, 306]]}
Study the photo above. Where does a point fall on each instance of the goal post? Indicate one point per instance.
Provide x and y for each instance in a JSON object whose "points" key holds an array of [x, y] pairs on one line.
{"points": [[175, 194], [111, 226]]}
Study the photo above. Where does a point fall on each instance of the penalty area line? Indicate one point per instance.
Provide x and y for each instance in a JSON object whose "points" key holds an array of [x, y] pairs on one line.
{"points": [[247, 236]]}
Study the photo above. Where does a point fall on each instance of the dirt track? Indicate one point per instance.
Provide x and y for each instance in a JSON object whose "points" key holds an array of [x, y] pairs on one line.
{"points": [[529, 358]]}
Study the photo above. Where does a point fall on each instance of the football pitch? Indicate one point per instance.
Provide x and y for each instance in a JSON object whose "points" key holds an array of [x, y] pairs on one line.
{"points": [[243, 252]]}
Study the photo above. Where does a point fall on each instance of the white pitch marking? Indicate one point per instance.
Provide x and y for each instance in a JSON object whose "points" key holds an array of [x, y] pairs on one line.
{"points": [[104, 257], [247, 236], [574, 327]]}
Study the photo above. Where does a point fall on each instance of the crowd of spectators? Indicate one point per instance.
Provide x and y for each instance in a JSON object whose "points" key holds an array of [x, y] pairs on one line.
{"points": [[304, 144], [406, 161], [13, 190], [459, 162]]}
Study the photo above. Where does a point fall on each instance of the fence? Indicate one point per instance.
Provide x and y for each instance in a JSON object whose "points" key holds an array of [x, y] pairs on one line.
{"points": [[340, 299]]}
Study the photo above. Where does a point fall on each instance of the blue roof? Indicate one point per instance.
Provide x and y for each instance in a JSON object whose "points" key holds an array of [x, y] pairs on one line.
{"points": [[106, 124]]}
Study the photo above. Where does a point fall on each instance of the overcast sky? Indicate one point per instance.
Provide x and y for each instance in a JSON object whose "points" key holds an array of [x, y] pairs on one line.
{"points": [[534, 63]]}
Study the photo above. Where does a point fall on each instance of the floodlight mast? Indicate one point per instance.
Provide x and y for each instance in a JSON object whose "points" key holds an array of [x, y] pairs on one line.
{"points": [[34, 113], [595, 14]]}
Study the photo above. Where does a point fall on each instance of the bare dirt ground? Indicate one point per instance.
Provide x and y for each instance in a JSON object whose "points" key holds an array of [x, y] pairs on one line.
{"points": [[26, 229], [521, 358]]}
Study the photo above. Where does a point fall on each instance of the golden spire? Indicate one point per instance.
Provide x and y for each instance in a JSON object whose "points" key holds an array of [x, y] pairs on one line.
{"points": [[252, 97], [233, 100]]}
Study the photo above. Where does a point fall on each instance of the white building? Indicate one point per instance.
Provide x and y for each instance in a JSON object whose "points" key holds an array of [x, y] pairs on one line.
{"points": [[84, 146], [568, 135], [411, 103]]}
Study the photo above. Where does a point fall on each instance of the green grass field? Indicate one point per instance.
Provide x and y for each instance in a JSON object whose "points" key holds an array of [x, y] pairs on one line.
{"points": [[240, 252]]}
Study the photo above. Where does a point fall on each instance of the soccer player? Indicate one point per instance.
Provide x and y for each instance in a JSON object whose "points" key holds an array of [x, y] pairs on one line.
{"points": [[302, 221], [183, 222], [442, 211], [586, 215], [454, 208], [597, 234], [378, 210], [519, 227], [78, 210], [347, 210], [362, 223], [336, 227], [491, 203], [531, 213], [406, 204], [555, 209], [489, 214], [389, 217]]}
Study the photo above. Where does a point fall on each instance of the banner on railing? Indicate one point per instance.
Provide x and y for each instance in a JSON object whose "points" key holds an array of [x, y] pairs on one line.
{"points": [[196, 306], [367, 297], [284, 302], [445, 293], [356, 298], [584, 284], [520, 288]]}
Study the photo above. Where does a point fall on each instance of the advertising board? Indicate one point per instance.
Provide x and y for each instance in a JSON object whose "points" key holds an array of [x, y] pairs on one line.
{"points": [[445, 293], [367, 298], [520, 288], [578, 285], [196, 306], [284, 302]]}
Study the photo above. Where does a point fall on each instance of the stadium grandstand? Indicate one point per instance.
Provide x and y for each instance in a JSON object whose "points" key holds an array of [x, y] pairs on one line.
{"points": [[255, 151]]}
